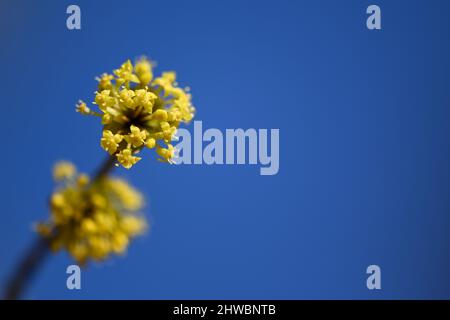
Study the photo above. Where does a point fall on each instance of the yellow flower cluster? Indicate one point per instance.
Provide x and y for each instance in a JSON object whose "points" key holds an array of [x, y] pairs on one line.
{"points": [[92, 220], [138, 110]]}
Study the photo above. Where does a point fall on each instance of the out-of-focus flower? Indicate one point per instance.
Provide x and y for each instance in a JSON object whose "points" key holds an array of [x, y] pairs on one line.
{"points": [[92, 220], [63, 170], [138, 110]]}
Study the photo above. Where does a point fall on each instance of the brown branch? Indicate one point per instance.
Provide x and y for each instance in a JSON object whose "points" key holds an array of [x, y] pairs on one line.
{"points": [[27, 267], [105, 168]]}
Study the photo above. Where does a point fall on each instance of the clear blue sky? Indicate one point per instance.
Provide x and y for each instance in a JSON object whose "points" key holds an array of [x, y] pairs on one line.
{"points": [[364, 145]]}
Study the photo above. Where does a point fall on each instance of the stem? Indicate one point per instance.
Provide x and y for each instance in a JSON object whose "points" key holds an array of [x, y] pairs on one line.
{"points": [[39, 250], [28, 266], [105, 168]]}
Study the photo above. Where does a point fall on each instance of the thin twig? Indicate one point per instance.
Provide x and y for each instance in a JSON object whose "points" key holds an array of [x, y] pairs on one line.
{"points": [[27, 267], [105, 168]]}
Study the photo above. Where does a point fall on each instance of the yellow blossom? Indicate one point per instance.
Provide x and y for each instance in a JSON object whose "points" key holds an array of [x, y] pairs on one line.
{"points": [[129, 198], [144, 71], [88, 225], [160, 115], [105, 81], [126, 97], [145, 99], [141, 109], [82, 108], [168, 131], [166, 154], [132, 225], [93, 221], [150, 143], [106, 118], [119, 242], [63, 170], [136, 137], [110, 141], [126, 158], [125, 73], [57, 200], [104, 100], [83, 180]]}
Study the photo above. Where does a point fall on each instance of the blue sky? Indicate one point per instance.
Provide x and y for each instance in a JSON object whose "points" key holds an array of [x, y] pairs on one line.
{"points": [[364, 148]]}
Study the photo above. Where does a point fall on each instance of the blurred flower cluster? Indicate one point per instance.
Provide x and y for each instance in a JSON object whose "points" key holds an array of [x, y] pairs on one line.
{"points": [[138, 110], [91, 220]]}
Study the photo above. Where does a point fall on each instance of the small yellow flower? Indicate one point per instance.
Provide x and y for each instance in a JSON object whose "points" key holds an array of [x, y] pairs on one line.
{"points": [[150, 143], [125, 73], [105, 82], [166, 81], [126, 97], [119, 242], [136, 137], [110, 141], [143, 70], [126, 158], [160, 115], [100, 247], [104, 100], [167, 131], [132, 225], [145, 99], [88, 226], [63, 170], [106, 118], [79, 251], [166, 154], [83, 180], [128, 198], [57, 200], [98, 200], [82, 108]]}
